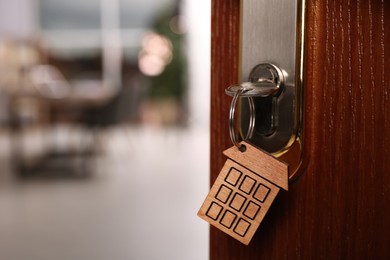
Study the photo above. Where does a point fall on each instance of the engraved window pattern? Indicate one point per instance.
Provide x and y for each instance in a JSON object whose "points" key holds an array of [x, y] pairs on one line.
{"points": [[239, 201]]}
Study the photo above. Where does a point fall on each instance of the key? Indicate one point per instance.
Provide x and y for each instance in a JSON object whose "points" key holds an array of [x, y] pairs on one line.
{"points": [[244, 191]]}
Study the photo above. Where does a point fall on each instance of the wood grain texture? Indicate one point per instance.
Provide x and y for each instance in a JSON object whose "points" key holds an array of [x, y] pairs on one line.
{"points": [[224, 72], [340, 208]]}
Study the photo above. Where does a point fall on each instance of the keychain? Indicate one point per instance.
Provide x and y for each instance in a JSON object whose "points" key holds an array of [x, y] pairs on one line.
{"points": [[248, 182]]}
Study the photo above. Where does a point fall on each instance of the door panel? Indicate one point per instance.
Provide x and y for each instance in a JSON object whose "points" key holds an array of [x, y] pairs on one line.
{"points": [[340, 208]]}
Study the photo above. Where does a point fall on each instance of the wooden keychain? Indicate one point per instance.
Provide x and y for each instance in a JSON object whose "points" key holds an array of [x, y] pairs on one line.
{"points": [[246, 186]]}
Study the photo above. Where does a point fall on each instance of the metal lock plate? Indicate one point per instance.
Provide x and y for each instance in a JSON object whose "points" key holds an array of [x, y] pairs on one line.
{"points": [[272, 34]]}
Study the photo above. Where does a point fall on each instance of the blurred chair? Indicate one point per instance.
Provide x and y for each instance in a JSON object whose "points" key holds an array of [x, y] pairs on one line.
{"points": [[41, 100], [70, 105]]}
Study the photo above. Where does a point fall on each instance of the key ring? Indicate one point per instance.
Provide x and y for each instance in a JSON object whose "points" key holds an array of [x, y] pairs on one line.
{"points": [[252, 118], [265, 80]]}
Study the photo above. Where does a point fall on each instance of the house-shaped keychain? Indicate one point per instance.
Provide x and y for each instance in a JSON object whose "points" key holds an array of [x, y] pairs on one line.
{"points": [[244, 191]]}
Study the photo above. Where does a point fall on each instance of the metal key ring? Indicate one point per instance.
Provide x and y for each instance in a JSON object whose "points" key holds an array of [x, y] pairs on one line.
{"points": [[251, 119]]}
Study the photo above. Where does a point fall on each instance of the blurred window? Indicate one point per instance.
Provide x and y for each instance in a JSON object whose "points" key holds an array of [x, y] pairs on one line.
{"points": [[70, 14], [74, 27]]}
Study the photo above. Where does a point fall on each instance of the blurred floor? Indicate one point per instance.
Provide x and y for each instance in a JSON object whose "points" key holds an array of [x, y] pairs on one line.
{"points": [[140, 202]]}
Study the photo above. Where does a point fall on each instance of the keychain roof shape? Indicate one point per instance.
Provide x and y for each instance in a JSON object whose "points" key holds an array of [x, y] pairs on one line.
{"points": [[244, 191], [261, 163]]}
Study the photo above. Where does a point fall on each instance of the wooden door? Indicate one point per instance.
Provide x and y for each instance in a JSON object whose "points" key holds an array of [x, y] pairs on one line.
{"points": [[340, 208]]}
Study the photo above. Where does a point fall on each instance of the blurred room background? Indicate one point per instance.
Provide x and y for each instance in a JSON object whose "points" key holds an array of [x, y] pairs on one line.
{"points": [[104, 129]]}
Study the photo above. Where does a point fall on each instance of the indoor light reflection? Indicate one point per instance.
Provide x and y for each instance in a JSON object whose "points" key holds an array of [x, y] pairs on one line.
{"points": [[155, 55]]}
